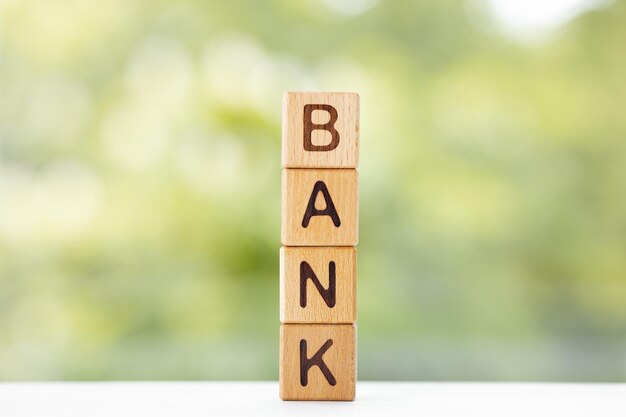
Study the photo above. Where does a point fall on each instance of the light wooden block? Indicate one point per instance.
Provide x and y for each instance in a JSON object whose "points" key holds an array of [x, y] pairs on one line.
{"points": [[320, 130], [334, 344], [331, 195], [306, 293]]}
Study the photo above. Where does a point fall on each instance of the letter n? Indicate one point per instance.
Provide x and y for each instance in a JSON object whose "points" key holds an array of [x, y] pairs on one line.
{"points": [[306, 273]]}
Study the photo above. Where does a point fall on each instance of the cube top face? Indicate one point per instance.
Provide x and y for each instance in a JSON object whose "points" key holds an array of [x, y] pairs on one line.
{"points": [[320, 130], [319, 207], [317, 362], [318, 285]]}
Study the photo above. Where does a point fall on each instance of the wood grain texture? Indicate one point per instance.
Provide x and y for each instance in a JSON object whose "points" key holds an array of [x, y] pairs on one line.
{"points": [[339, 358], [294, 265], [295, 133], [298, 185]]}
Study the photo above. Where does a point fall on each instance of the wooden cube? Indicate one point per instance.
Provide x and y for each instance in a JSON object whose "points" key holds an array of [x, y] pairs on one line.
{"points": [[320, 130], [317, 362], [318, 285], [319, 207]]}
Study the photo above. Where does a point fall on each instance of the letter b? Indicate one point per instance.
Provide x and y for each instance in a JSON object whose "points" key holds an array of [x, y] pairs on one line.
{"points": [[309, 127]]}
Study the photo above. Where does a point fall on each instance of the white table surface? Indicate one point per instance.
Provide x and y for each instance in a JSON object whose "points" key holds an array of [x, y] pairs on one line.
{"points": [[378, 399]]}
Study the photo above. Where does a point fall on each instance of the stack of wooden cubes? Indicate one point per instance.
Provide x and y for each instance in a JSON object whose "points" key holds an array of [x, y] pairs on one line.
{"points": [[319, 233]]}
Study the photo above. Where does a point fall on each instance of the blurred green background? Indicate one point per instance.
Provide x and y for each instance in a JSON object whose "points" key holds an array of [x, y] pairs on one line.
{"points": [[140, 185]]}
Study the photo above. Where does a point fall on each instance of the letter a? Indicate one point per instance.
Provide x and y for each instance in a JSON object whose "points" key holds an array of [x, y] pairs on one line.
{"points": [[328, 211], [309, 127], [316, 360], [328, 295]]}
